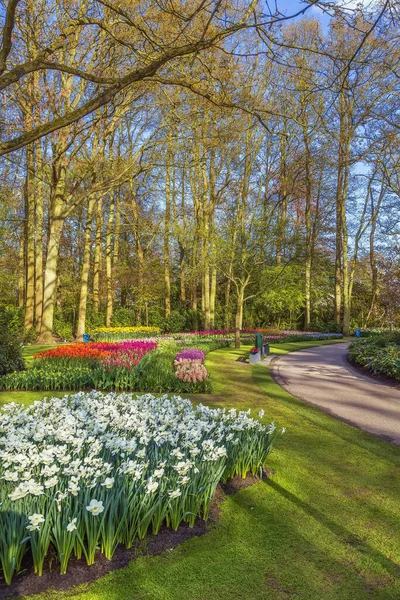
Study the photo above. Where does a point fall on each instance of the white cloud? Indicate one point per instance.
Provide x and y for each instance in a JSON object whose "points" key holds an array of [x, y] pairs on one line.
{"points": [[351, 4]]}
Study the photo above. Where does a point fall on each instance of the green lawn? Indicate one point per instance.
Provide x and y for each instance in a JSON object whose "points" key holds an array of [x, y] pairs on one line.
{"points": [[28, 397], [325, 526]]}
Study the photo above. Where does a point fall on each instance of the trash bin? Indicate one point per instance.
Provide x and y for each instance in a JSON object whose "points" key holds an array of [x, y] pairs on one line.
{"points": [[86, 337], [357, 332], [259, 341]]}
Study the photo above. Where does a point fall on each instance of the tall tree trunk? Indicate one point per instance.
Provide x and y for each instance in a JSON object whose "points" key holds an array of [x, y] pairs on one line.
{"points": [[21, 269], [167, 228], [206, 267], [338, 254], [239, 315], [182, 275], [51, 270], [109, 254], [374, 270], [227, 320], [213, 293], [308, 266], [346, 280], [182, 245], [116, 237], [213, 289], [39, 239], [280, 241], [85, 272], [372, 256], [140, 280], [97, 256], [30, 237]]}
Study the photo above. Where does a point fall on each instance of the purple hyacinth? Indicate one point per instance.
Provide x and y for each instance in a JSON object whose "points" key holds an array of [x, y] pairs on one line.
{"points": [[190, 354]]}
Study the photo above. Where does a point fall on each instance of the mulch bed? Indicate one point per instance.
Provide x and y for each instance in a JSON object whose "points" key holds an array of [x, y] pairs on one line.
{"points": [[28, 583]]}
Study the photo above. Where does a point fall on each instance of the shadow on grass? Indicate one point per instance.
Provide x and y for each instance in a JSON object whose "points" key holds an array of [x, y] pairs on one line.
{"points": [[344, 534]]}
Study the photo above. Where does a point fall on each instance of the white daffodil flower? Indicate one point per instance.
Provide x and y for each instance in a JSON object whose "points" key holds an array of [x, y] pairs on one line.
{"points": [[95, 507]]}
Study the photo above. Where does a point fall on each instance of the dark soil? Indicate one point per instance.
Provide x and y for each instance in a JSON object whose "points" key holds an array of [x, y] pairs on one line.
{"points": [[386, 379], [27, 583]]}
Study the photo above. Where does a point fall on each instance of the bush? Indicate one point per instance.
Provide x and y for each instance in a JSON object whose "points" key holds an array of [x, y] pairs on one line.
{"points": [[123, 317], [177, 322], [378, 353], [326, 326], [371, 331], [63, 330], [10, 344]]}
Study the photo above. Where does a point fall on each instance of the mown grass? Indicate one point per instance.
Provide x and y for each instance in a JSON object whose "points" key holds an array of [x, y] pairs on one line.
{"points": [[325, 526]]}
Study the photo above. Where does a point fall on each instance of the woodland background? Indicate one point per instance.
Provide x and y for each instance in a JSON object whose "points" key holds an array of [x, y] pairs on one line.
{"points": [[199, 165]]}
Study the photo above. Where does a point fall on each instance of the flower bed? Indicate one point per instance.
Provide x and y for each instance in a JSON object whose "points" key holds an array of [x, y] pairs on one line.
{"points": [[109, 334], [303, 337], [91, 471], [103, 365], [134, 365], [131, 352], [189, 366], [247, 335], [379, 353]]}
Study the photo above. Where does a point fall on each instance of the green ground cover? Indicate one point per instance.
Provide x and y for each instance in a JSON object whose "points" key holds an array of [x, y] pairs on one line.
{"points": [[326, 525]]}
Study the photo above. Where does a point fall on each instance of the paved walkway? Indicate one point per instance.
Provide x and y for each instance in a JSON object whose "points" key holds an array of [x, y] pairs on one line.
{"points": [[323, 377]]}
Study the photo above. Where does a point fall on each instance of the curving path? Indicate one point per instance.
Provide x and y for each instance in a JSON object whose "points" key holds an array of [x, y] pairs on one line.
{"points": [[323, 377]]}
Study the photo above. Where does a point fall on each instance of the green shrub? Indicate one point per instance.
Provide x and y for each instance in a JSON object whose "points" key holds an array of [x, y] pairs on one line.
{"points": [[63, 330], [10, 344], [379, 353], [326, 326], [175, 323], [373, 331], [123, 317]]}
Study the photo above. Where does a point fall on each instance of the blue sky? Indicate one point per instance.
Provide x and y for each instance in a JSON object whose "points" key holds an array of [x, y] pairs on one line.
{"points": [[292, 6]]}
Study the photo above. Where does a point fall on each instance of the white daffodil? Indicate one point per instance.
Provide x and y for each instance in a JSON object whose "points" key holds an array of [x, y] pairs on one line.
{"points": [[175, 494], [73, 488], [35, 521], [108, 483], [72, 525], [152, 487], [49, 483], [34, 488], [95, 507], [10, 476]]}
